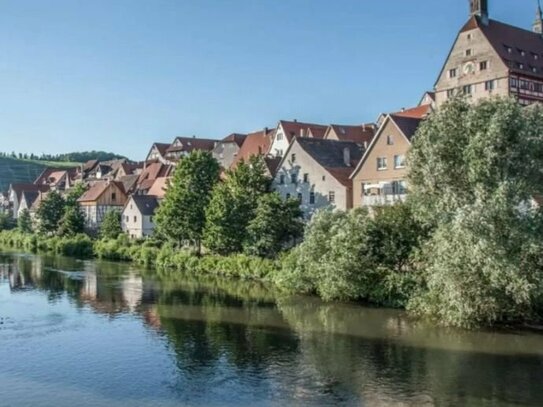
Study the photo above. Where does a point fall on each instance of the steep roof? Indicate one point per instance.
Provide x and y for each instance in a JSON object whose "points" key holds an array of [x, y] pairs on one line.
{"points": [[293, 129], [30, 197], [504, 37], [418, 112], [146, 204], [20, 188], [129, 182], [159, 187], [359, 134], [407, 125], [97, 189], [237, 138], [257, 143], [330, 155], [51, 176], [161, 147], [189, 144]]}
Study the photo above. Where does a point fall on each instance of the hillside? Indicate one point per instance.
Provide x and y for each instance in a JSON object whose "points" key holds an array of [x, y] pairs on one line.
{"points": [[13, 170]]}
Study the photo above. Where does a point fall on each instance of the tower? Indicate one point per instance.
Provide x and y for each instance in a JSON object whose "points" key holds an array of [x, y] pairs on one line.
{"points": [[479, 8], [538, 23]]}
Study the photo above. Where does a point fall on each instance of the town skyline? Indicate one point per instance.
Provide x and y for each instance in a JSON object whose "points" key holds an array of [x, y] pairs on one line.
{"points": [[105, 83]]}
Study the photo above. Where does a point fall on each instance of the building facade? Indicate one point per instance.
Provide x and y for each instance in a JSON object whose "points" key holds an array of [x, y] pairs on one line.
{"points": [[491, 58], [137, 216]]}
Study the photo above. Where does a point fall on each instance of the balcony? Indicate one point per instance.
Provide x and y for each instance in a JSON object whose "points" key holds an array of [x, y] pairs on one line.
{"points": [[384, 199]]}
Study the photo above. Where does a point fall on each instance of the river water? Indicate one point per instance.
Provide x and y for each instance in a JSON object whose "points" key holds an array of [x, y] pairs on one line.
{"points": [[88, 333]]}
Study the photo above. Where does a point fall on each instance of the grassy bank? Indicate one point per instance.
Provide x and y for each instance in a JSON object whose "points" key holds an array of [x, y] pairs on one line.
{"points": [[145, 254]]}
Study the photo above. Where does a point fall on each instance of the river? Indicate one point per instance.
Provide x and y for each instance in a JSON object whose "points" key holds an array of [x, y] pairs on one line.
{"points": [[90, 333]]}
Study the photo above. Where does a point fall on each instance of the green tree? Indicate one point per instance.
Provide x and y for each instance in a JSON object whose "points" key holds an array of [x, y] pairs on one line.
{"points": [[50, 212], [474, 172], [74, 194], [24, 222], [276, 224], [72, 222], [6, 221], [181, 215], [111, 226], [232, 206]]}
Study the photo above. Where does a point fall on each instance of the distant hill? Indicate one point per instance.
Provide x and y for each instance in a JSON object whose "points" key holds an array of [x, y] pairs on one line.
{"points": [[75, 157], [14, 170]]}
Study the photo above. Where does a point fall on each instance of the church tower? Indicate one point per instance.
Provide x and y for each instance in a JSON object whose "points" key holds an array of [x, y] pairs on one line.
{"points": [[538, 23], [479, 8]]}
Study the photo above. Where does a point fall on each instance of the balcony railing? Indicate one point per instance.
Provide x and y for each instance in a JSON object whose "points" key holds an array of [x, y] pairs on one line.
{"points": [[377, 200]]}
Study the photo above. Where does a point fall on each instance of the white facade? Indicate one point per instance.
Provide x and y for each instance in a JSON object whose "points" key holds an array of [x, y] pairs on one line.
{"points": [[280, 143], [300, 176], [134, 223]]}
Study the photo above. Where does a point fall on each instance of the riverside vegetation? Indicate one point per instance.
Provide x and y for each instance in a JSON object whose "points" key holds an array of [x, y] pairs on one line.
{"points": [[465, 249]]}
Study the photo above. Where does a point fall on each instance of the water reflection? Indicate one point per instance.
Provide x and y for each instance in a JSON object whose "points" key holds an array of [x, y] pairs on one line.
{"points": [[218, 342]]}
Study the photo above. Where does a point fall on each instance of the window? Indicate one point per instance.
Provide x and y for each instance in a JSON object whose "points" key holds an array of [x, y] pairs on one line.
{"points": [[450, 93], [294, 178], [468, 52], [399, 161], [398, 188], [151, 219], [293, 158], [513, 82], [522, 52], [469, 36], [489, 85], [287, 196], [281, 179], [135, 219], [300, 197], [279, 136], [466, 89], [324, 177], [452, 73], [331, 197], [390, 140], [306, 178], [113, 196], [483, 65], [381, 163], [311, 198]]}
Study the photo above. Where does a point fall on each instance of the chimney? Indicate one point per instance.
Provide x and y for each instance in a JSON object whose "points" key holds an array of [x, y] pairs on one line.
{"points": [[265, 130], [295, 121], [347, 156], [301, 132]]}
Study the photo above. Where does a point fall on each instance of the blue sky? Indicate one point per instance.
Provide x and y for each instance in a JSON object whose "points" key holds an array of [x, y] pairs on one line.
{"points": [[117, 75]]}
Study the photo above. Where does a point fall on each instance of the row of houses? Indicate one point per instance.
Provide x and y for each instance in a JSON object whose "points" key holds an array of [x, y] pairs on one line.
{"points": [[323, 166]]}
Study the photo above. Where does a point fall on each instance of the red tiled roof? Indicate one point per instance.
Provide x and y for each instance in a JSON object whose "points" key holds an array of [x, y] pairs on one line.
{"points": [[503, 37], [418, 112], [97, 189], [159, 187], [360, 134], [20, 188], [257, 143]]}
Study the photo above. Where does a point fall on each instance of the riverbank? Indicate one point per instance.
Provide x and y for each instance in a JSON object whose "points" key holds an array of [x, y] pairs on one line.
{"points": [[144, 254]]}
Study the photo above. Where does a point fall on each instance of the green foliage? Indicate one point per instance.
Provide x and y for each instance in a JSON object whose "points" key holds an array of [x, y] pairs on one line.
{"points": [[6, 222], [343, 257], [181, 215], [75, 193], [111, 225], [275, 224], [474, 170], [50, 212], [232, 206], [78, 246], [24, 222], [72, 222]]}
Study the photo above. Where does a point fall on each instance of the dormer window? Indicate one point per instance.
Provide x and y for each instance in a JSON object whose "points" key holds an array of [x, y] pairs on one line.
{"points": [[522, 52], [508, 48], [521, 66], [534, 69]]}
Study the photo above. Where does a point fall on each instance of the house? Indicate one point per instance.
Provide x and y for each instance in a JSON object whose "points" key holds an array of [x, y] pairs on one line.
{"points": [[100, 198], [287, 130], [157, 153], [137, 216], [491, 58], [183, 146], [27, 201], [316, 172], [149, 175], [380, 176], [361, 134], [256, 144], [227, 149], [56, 178], [159, 187], [15, 194]]}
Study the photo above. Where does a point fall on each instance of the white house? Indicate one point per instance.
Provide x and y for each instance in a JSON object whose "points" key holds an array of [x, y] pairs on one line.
{"points": [[316, 172], [137, 216], [287, 130]]}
